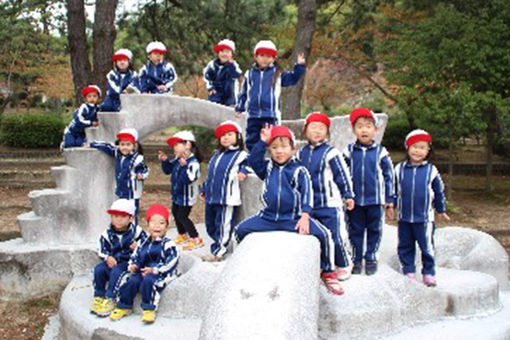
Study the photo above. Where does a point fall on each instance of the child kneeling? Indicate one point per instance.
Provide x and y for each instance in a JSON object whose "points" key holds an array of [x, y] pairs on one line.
{"points": [[152, 267], [287, 198]]}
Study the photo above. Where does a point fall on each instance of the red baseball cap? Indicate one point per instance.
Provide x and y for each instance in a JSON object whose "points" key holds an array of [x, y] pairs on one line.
{"points": [[157, 209], [361, 112], [228, 126], [318, 117], [281, 131]]}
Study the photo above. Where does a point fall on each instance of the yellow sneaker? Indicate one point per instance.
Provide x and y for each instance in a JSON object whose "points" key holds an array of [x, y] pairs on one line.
{"points": [[106, 308], [118, 313], [193, 243], [149, 316], [96, 304], [181, 238]]}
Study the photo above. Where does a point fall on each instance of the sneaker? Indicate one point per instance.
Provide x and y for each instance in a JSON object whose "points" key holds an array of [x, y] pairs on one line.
{"points": [[181, 238], [106, 308], [213, 258], [343, 273], [356, 268], [193, 243], [370, 267], [149, 316], [331, 282], [118, 313], [429, 280], [96, 304], [411, 276]]}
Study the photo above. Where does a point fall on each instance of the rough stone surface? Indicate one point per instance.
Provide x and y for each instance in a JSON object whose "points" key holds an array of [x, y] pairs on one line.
{"points": [[268, 290]]}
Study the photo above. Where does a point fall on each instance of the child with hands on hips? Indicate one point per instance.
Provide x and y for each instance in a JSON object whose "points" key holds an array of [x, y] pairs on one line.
{"points": [[221, 74], [221, 190], [184, 171], [287, 198], [372, 176], [260, 92], [130, 167], [331, 181], [419, 191], [152, 266], [116, 245]]}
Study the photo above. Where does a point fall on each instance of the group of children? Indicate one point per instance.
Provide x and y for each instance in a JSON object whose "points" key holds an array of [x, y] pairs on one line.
{"points": [[315, 190]]}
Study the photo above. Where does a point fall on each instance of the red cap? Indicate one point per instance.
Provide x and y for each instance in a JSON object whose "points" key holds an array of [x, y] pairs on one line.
{"points": [[267, 51], [126, 137], [157, 209], [318, 117], [281, 131], [220, 47], [361, 112], [416, 136], [225, 127], [116, 57], [89, 89], [174, 140]]}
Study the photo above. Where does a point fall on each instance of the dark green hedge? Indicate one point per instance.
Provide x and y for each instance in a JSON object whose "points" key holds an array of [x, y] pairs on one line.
{"points": [[396, 132], [31, 130]]}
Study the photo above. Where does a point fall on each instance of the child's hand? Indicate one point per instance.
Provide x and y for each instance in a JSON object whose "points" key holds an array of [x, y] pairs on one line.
{"points": [[212, 92], [95, 123], [265, 133], [133, 268], [301, 59], [446, 217], [132, 246], [241, 176], [162, 87], [238, 114], [146, 271], [350, 204], [201, 196], [390, 212], [124, 92], [111, 262], [162, 156], [139, 177], [182, 161], [303, 224]]}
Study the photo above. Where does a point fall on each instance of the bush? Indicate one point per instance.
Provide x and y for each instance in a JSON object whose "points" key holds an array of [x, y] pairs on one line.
{"points": [[32, 130], [396, 132]]}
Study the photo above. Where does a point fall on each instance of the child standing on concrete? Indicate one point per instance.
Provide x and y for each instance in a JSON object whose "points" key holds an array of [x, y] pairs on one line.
{"points": [[158, 75], [222, 74], [419, 191], [372, 175], [331, 181]]}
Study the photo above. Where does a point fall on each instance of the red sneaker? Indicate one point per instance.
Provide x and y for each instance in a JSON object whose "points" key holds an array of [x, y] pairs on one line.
{"points": [[331, 282]]}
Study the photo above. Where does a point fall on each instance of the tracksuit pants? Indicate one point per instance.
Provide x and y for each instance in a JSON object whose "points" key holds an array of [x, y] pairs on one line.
{"points": [[110, 104], [367, 220], [148, 287], [111, 277], [182, 220], [73, 140], [334, 220], [259, 224], [220, 223], [408, 235], [223, 96], [253, 127]]}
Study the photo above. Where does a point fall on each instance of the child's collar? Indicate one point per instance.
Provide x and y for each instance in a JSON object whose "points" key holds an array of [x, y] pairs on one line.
{"points": [[361, 145], [408, 163], [324, 141], [290, 160]]}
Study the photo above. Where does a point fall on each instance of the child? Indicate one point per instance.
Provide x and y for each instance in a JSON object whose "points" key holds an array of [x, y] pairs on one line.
{"points": [[115, 247], [331, 182], [372, 174], [221, 188], [184, 169], [287, 198], [221, 75], [419, 190], [122, 79], [158, 75], [152, 266], [84, 117], [260, 93], [130, 168]]}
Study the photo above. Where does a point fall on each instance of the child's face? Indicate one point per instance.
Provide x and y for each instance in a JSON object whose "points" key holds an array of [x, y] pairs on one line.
{"points": [[157, 226], [365, 130], [225, 55], [281, 150], [156, 57], [228, 139], [418, 152], [181, 148], [126, 148], [121, 222], [316, 132], [263, 60], [92, 98], [122, 64]]}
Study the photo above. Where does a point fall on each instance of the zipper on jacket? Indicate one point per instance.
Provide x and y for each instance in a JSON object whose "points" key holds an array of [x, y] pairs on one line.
{"points": [[363, 176], [214, 172], [412, 195], [260, 91], [279, 190]]}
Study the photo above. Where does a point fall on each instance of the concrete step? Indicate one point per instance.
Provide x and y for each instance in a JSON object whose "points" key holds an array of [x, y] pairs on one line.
{"points": [[25, 174], [24, 184], [32, 163]]}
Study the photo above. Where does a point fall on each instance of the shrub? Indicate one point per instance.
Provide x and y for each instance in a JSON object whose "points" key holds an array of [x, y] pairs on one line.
{"points": [[32, 130], [396, 132]]}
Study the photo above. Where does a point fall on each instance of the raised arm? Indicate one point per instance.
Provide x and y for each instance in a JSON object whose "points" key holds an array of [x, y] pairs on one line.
{"points": [[107, 148]]}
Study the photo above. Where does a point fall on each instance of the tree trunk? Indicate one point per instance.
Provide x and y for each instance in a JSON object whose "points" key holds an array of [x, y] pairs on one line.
{"points": [[77, 40], [302, 44], [104, 37], [492, 126]]}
